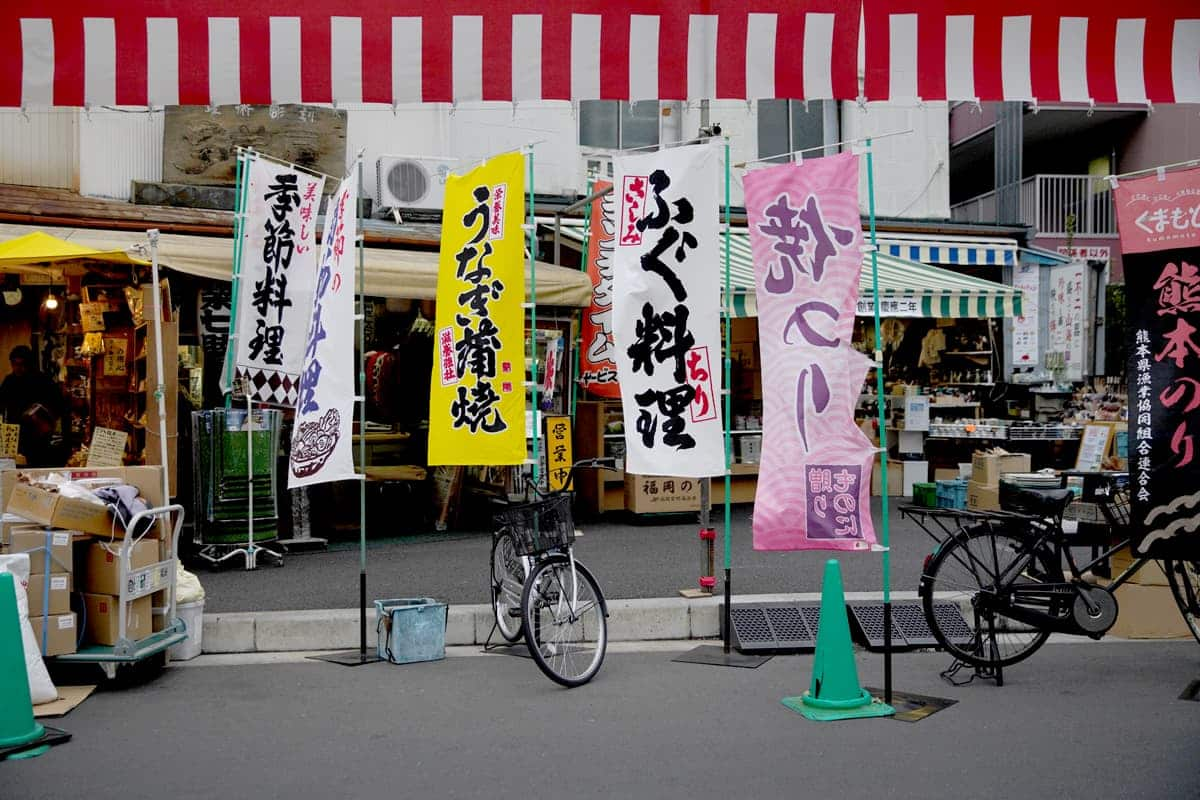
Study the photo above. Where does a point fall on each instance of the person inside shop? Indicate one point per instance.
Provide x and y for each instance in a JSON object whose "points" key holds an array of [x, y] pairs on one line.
{"points": [[32, 400]]}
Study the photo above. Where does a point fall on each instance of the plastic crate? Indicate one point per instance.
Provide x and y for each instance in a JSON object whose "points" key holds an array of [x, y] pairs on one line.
{"points": [[952, 494], [411, 629], [925, 494]]}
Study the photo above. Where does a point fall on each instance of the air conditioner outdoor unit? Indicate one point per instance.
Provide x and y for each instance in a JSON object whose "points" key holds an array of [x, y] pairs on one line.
{"points": [[411, 181]]}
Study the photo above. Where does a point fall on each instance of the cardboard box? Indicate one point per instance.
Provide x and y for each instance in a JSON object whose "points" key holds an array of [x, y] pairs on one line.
{"points": [[62, 635], [50, 509], [982, 497], [652, 494], [9, 523], [59, 584], [895, 478], [103, 619], [1148, 612], [34, 542], [103, 574], [987, 467], [1151, 574], [943, 474]]}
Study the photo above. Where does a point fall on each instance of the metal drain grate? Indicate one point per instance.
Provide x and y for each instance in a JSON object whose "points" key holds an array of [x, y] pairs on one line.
{"points": [[788, 625], [812, 618], [771, 627], [909, 620], [909, 626], [950, 620], [750, 627]]}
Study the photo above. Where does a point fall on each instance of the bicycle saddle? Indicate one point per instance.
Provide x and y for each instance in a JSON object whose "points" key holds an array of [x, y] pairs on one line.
{"points": [[1042, 502]]}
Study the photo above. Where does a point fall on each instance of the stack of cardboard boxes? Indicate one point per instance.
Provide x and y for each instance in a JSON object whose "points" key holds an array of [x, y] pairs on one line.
{"points": [[987, 468], [79, 585], [49, 588]]}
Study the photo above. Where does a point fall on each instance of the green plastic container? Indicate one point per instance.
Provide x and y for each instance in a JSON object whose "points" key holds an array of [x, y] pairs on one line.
{"points": [[925, 494]]}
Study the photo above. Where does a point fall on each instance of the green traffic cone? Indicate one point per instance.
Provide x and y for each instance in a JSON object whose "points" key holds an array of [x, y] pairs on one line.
{"points": [[17, 726], [835, 692]]}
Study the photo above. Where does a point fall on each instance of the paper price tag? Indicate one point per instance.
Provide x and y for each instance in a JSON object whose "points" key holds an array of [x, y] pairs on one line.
{"points": [[9, 440]]}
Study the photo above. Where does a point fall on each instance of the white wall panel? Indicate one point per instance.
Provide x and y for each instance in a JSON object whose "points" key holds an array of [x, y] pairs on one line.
{"points": [[912, 171], [115, 148], [40, 149]]}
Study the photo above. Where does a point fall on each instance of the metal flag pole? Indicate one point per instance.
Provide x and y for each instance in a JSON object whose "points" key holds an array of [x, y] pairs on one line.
{"points": [[160, 389], [537, 456], [727, 393], [879, 405], [244, 159], [360, 318]]}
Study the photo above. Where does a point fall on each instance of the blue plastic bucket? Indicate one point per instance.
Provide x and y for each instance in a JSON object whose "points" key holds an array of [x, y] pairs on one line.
{"points": [[411, 629]]}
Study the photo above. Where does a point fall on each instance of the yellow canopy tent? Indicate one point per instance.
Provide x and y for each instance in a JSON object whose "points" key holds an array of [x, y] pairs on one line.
{"points": [[36, 251], [388, 272]]}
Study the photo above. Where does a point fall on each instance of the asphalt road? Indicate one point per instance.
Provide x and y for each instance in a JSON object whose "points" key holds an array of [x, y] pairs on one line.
{"points": [[1078, 720], [629, 560]]}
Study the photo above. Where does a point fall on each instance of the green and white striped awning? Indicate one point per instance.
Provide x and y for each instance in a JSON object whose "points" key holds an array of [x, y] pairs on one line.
{"points": [[906, 288]]}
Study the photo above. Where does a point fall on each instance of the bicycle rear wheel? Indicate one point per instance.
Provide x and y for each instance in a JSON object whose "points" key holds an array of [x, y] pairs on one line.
{"points": [[564, 618], [1184, 577], [965, 570], [508, 578]]}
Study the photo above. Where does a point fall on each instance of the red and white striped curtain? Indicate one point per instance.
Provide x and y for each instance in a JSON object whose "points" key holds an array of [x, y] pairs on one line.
{"points": [[1076, 51], [223, 52]]}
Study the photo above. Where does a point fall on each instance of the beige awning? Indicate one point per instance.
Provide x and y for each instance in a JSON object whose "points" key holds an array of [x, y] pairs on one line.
{"points": [[408, 274]]}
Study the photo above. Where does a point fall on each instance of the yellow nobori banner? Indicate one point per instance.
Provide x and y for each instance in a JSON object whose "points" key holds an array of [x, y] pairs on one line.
{"points": [[477, 393]]}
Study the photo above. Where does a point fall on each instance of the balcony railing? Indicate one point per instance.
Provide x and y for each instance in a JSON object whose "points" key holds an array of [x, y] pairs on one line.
{"points": [[1053, 204]]}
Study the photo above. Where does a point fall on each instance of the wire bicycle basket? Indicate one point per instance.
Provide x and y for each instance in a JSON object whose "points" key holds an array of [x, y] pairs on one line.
{"points": [[539, 526], [1114, 503]]}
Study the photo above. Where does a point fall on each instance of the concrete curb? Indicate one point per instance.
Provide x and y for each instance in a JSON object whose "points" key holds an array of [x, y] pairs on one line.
{"points": [[643, 619]]}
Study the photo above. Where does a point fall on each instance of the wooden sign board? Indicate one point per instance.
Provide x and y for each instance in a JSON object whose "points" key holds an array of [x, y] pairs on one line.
{"points": [[200, 145], [107, 448], [558, 452], [116, 357], [1097, 440]]}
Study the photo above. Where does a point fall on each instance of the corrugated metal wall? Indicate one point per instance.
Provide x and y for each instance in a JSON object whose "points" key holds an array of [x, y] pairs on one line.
{"points": [[117, 147], [40, 148]]}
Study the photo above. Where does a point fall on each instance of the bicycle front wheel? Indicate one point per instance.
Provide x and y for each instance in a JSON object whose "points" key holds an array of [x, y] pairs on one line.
{"points": [[1184, 577], [565, 626], [966, 570], [508, 578]]}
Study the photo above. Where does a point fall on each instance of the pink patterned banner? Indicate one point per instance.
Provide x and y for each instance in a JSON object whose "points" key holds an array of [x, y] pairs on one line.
{"points": [[814, 481]]}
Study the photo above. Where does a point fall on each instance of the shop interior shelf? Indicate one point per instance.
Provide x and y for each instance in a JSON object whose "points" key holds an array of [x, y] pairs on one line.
{"points": [[967, 353], [964, 383], [740, 431]]}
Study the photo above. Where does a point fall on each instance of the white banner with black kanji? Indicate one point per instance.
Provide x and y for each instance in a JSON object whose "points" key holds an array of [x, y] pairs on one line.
{"points": [[276, 279], [666, 311]]}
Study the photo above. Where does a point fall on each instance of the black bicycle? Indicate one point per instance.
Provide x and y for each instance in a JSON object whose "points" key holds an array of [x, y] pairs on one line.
{"points": [[540, 591], [1005, 572]]}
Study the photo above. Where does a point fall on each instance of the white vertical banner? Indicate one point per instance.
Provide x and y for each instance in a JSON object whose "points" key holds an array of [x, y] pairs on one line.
{"points": [[1026, 277], [321, 440], [666, 311], [276, 279]]}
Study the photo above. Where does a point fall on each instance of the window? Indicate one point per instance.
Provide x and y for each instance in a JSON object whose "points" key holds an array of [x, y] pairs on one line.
{"points": [[786, 125], [618, 125]]}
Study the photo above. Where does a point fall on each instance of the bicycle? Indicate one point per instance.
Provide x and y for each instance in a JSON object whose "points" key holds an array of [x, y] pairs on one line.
{"points": [[541, 592], [1005, 571]]}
